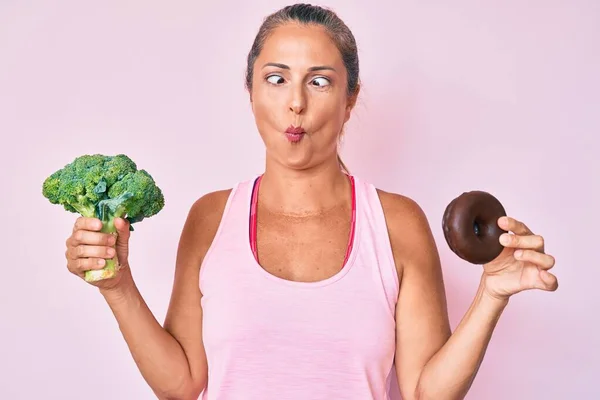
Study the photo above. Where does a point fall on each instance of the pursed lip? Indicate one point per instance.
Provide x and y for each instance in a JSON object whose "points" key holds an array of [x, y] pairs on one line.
{"points": [[295, 130]]}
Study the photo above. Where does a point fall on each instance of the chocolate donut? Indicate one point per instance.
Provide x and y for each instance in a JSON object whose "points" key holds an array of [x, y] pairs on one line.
{"points": [[470, 225]]}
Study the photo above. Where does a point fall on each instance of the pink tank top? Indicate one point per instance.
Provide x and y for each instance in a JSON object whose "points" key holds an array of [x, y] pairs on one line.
{"points": [[270, 338]]}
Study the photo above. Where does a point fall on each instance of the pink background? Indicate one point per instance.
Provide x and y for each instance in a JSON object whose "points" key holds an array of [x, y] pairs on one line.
{"points": [[456, 96]]}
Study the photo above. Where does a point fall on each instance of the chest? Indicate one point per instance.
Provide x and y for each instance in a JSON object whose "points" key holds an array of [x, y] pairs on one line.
{"points": [[304, 249], [271, 323]]}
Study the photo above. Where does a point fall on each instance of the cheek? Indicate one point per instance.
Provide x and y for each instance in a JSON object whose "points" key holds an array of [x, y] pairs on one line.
{"points": [[331, 109], [266, 103]]}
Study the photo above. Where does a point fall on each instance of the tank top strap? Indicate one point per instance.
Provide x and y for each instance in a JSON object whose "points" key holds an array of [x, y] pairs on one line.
{"points": [[375, 240]]}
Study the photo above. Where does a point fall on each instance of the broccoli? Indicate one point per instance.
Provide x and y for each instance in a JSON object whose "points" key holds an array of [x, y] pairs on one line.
{"points": [[105, 187]]}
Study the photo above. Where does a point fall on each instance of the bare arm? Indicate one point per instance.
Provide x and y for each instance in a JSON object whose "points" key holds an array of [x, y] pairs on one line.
{"points": [[158, 355], [171, 358], [432, 362], [449, 374]]}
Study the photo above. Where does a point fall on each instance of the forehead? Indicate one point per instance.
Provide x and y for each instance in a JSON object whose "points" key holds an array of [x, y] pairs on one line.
{"points": [[299, 44]]}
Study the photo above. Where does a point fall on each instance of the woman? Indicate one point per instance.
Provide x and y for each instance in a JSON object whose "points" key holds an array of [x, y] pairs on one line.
{"points": [[308, 283]]}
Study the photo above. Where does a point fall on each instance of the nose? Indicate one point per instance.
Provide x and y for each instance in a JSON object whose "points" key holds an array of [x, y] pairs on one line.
{"points": [[298, 99]]}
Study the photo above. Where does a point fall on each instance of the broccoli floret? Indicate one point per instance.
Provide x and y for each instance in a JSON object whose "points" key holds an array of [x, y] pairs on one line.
{"points": [[105, 187]]}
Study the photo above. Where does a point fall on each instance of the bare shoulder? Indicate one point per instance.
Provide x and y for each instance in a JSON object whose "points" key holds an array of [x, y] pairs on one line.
{"points": [[408, 227], [209, 208], [204, 218], [400, 206], [196, 237], [198, 231]]}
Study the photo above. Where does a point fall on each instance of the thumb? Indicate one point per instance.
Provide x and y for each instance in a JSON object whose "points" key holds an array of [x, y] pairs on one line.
{"points": [[550, 282], [122, 245], [122, 226]]}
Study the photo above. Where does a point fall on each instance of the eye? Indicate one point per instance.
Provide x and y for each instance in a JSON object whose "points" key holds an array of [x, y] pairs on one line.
{"points": [[320, 81], [275, 79]]}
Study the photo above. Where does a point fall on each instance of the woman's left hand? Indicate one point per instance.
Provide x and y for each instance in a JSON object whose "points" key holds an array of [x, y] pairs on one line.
{"points": [[522, 264]]}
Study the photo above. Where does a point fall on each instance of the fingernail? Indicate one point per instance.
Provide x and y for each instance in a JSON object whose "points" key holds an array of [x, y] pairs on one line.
{"points": [[101, 261], [504, 239], [110, 252]]}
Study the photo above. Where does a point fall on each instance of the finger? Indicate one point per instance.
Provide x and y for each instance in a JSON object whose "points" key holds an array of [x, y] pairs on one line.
{"points": [[544, 261], [87, 224], [80, 265], [91, 238], [547, 281], [85, 251], [514, 225], [534, 242]]}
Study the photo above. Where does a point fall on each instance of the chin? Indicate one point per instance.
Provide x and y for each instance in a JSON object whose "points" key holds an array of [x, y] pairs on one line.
{"points": [[295, 163], [292, 159]]}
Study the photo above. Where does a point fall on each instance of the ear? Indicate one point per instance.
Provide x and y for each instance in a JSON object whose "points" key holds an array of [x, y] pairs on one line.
{"points": [[351, 103]]}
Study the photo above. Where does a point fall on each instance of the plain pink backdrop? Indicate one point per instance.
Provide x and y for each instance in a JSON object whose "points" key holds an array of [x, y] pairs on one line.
{"points": [[460, 95]]}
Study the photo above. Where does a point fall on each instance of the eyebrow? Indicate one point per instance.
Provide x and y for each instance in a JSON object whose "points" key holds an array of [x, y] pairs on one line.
{"points": [[311, 69]]}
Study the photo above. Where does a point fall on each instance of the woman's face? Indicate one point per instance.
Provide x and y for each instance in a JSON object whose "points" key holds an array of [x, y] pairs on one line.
{"points": [[299, 82]]}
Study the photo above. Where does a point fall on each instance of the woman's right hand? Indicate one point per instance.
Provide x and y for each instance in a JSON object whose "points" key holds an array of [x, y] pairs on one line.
{"points": [[88, 249]]}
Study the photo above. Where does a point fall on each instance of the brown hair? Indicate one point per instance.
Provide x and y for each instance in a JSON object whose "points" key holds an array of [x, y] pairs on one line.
{"points": [[310, 14]]}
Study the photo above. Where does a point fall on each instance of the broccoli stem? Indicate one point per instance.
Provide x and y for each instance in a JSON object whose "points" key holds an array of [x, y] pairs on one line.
{"points": [[85, 209]]}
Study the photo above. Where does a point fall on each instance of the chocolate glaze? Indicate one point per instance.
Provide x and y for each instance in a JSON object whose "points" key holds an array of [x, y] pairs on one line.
{"points": [[470, 225]]}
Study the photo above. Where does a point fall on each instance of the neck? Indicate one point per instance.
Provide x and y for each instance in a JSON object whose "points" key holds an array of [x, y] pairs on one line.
{"points": [[303, 192]]}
